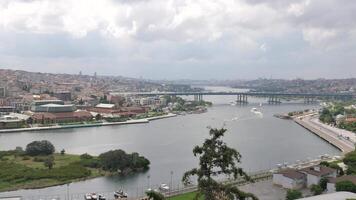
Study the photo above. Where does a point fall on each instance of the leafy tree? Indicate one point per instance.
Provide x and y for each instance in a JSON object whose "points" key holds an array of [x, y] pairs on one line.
{"points": [[293, 194], [43, 147], [154, 195], [118, 160], [323, 183], [316, 189], [215, 159], [49, 162], [345, 186], [63, 152]]}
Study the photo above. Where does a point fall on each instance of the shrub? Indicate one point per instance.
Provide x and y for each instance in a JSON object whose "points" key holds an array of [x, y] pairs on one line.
{"points": [[293, 194], [26, 158], [86, 156], [43, 147], [316, 189], [345, 186]]}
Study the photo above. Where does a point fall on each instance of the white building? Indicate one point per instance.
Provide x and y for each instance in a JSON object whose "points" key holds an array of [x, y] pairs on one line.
{"points": [[297, 179], [315, 173], [290, 179]]}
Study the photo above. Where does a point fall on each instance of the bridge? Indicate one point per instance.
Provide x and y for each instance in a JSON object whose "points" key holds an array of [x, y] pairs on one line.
{"points": [[242, 97]]}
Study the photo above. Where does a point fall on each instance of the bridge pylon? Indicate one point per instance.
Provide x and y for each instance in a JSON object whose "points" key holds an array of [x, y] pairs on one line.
{"points": [[274, 100], [241, 99]]}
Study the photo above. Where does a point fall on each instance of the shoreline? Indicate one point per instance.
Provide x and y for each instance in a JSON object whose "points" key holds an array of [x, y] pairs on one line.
{"points": [[133, 121], [328, 135]]}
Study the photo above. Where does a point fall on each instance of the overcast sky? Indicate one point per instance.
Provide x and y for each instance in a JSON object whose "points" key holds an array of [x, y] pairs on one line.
{"points": [[175, 39]]}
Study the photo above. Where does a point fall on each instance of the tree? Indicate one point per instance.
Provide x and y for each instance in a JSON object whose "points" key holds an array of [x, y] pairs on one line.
{"points": [[323, 183], [316, 189], [154, 195], [345, 186], [216, 159], [43, 147], [49, 162], [63, 152], [293, 194]]}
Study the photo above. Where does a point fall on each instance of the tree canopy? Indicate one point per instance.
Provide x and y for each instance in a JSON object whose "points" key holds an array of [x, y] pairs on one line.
{"points": [[119, 160], [43, 147], [217, 159], [293, 194]]}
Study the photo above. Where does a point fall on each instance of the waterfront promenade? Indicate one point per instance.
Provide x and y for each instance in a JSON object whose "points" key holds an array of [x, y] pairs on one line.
{"points": [[133, 121], [333, 135]]}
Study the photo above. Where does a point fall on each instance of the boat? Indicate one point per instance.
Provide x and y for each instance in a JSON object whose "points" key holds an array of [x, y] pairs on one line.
{"points": [[164, 187], [260, 104], [120, 194], [94, 196], [253, 109]]}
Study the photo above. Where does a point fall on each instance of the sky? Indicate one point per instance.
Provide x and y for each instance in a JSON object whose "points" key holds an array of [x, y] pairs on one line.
{"points": [[181, 39]]}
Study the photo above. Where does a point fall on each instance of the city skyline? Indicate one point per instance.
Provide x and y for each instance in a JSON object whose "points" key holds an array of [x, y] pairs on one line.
{"points": [[181, 39]]}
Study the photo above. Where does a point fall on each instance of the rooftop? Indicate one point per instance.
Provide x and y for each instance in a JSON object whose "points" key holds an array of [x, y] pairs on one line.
{"points": [[105, 105], [291, 173], [333, 196], [318, 170]]}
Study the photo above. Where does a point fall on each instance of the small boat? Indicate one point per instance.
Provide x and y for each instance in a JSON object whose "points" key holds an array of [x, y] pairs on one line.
{"points": [[253, 109], [260, 104], [120, 194], [101, 197], [164, 187]]}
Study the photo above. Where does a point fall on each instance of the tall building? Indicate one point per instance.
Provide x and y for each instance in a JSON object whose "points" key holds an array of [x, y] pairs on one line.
{"points": [[3, 92]]}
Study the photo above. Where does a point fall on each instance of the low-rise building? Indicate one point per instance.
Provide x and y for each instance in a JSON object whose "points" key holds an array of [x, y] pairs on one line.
{"points": [[63, 117], [289, 178], [297, 179], [315, 173], [9, 122]]}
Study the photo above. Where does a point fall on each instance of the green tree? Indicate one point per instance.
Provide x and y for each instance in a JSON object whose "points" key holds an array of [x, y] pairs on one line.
{"points": [[43, 147], [216, 159], [63, 152], [316, 189], [345, 186], [49, 162], [323, 183], [293, 194], [153, 195]]}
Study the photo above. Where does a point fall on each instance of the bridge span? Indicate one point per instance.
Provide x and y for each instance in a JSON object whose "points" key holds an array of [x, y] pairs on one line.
{"points": [[242, 97]]}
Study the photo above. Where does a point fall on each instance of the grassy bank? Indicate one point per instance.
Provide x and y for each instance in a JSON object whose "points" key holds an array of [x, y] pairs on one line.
{"points": [[24, 172], [187, 196]]}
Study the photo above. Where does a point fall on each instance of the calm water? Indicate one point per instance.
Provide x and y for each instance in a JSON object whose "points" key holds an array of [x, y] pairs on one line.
{"points": [[263, 141]]}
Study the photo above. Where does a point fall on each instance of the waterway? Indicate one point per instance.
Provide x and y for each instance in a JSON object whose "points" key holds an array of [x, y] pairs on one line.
{"points": [[263, 141]]}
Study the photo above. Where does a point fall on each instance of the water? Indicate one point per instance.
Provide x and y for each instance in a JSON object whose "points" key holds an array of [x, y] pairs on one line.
{"points": [[263, 141]]}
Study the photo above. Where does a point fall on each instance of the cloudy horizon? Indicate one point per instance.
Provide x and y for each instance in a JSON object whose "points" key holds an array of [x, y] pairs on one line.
{"points": [[181, 39]]}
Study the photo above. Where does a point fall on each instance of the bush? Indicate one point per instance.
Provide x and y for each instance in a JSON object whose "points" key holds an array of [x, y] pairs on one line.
{"points": [[119, 160], [293, 194], [39, 159], [323, 183], [345, 186], [316, 189], [43, 147], [26, 158], [86, 156]]}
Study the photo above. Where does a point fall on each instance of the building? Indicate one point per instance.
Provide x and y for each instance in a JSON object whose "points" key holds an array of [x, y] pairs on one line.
{"points": [[7, 109], [332, 196], [9, 122], [62, 117], [54, 108], [290, 179], [35, 105], [63, 95], [315, 173], [3, 92], [332, 181], [297, 179]]}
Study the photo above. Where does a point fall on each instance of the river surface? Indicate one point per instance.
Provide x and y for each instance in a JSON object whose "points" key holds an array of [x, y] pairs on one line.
{"points": [[263, 141]]}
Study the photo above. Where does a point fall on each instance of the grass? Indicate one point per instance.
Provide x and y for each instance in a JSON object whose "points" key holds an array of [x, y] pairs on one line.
{"points": [[23, 172], [187, 196]]}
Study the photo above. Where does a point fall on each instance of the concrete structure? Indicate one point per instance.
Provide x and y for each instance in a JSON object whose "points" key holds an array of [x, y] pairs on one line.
{"points": [[332, 181], [315, 173], [290, 179], [332, 196]]}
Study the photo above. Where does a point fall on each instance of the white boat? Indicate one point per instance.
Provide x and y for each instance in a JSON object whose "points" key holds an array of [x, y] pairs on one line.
{"points": [[260, 104], [164, 187], [253, 109]]}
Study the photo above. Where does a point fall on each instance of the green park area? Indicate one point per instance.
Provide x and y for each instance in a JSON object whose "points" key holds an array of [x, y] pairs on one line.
{"points": [[39, 166], [187, 196]]}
